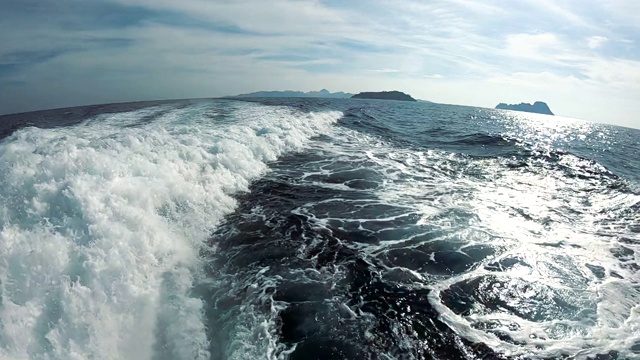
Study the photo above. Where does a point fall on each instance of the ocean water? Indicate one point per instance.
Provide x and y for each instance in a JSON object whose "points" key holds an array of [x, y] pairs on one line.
{"points": [[317, 229]]}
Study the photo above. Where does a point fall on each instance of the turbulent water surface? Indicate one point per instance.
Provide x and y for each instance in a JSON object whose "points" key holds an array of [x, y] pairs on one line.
{"points": [[317, 229]]}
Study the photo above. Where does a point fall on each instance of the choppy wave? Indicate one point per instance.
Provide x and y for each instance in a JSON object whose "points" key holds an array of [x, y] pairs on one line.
{"points": [[102, 223], [231, 230], [363, 248]]}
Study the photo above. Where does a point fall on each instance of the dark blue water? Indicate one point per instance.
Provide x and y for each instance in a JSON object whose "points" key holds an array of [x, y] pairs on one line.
{"points": [[317, 229]]}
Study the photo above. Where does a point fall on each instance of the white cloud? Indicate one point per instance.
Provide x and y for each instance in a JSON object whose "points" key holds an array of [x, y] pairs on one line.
{"points": [[534, 80], [622, 12], [386, 70], [477, 52], [284, 17], [564, 12], [534, 46], [594, 42], [615, 74]]}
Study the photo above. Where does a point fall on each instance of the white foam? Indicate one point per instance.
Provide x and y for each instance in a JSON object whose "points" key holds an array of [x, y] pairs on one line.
{"points": [[100, 225], [562, 224]]}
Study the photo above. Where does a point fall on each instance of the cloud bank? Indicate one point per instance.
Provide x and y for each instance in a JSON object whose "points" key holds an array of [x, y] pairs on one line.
{"points": [[581, 57]]}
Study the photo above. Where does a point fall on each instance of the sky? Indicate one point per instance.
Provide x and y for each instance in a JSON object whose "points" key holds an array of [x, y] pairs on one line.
{"points": [[582, 57]]}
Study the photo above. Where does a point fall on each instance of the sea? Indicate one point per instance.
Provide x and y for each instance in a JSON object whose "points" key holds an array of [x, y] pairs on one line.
{"points": [[317, 229]]}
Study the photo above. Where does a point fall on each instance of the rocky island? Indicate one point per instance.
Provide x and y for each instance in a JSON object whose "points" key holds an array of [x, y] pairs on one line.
{"points": [[384, 95], [538, 107]]}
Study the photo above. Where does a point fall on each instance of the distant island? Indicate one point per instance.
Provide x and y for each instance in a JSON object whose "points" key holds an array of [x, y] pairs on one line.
{"points": [[324, 93], [537, 107], [384, 95]]}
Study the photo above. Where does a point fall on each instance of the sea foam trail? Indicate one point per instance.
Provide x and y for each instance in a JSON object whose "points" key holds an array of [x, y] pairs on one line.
{"points": [[101, 224], [551, 269]]}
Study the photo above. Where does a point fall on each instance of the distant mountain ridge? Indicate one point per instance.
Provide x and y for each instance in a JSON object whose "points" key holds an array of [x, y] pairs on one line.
{"points": [[384, 95], [324, 93], [538, 107]]}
